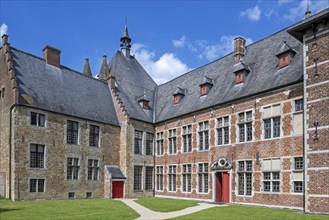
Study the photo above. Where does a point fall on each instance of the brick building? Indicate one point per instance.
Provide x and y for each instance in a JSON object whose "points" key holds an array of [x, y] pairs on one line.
{"points": [[250, 128]]}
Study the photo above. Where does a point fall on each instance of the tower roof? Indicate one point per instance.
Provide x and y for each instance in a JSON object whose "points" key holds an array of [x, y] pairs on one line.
{"points": [[86, 69], [104, 71]]}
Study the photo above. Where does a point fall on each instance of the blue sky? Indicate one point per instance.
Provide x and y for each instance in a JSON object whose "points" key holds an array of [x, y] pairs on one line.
{"points": [[169, 37]]}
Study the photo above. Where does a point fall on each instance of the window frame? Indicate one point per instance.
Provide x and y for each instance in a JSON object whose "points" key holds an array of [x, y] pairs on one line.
{"points": [[172, 178], [75, 168], [70, 129], [159, 143], [93, 170], [172, 141], [299, 105], [138, 142], [93, 135], [273, 128], [148, 185], [203, 178], [203, 136], [138, 178], [38, 120], [159, 178], [220, 129], [149, 144], [187, 174], [246, 125], [187, 137], [245, 173], [38, 160], [37, 190]]}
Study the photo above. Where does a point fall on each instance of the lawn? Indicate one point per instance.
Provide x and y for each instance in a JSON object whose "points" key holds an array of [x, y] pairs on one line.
{"points": [[248, 212], [66, 209], [165, 205]]}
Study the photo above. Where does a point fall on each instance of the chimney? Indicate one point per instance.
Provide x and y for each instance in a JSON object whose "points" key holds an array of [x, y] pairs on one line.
{"points": [[4, 39], [239, 48], [52, 56]]}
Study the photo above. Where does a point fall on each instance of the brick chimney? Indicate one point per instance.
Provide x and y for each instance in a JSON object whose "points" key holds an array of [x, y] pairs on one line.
{"points": [[52, 55], [4, 39], [239, 48]]}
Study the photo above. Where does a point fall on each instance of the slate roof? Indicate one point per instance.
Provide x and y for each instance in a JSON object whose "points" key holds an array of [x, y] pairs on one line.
{"points": [[116, 172], [264, 75], [62, 90], [133, 82]]}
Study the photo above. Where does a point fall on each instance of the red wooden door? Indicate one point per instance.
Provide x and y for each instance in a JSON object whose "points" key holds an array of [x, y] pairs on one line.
{"points": [[117, 189], [222, 187]]}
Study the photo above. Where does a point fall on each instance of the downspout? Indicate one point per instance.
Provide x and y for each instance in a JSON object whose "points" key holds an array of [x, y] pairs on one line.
{"points": [[154, 138], [10, 149]]}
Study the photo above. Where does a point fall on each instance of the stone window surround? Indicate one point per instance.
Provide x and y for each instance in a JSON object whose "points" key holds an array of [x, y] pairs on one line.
{"points": [[237, 140], [146, 176], [29, 110], [147, 139], [157, 175], [237, 179], [44, 159], [159, 139], [182, 174], [141, 178], [65, 167], [174, 138], [198, 177], [217, 127], [93, 167], [79, 130], [174, 175], [182, 142], [141, 150], [294, 175], [44, 186], [263, 118], [271, 171], [99, 134], [204, 129]]}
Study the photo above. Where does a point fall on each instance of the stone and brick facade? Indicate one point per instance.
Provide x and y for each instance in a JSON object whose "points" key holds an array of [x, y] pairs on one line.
{"points": [[249, 128]]}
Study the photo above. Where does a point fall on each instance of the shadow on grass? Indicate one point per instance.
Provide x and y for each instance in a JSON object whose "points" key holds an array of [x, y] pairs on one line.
{"points": [[7, 210]]}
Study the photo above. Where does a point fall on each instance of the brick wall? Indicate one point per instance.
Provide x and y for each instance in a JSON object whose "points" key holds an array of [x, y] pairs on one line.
{"points": [[285, 147]]}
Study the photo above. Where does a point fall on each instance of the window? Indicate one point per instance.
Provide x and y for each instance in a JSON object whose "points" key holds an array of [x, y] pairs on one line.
{"points": [[138, 178], [146, 105], [37, 185], [138, 142], [160, 143], [203, 177], [299, 105], [271, 175], [149, 144], [204, 135], [223, 131], [72, 132], [37, 156], [3, 92], [272, 127], [73, 168], [172, 141], [187, 138], [239, 77], [172, 178], [299, 163], [177, 98], [159, 174], [94, 136], [284, 60], [148, 178], [37, 119], [93, 168], [187, 178], [89, 194], [271, 181], [245, 126], [204, 89], [245, 178], [298, 186], [71, 195]]}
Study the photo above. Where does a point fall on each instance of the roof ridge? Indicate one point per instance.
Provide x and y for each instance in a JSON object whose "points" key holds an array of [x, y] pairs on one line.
{"points": [[62, 66]]}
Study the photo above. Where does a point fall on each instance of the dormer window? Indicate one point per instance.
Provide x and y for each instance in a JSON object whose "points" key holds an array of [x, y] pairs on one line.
{"points": [[285, 55], [284, 60], [178, 95], [144, 102], [146, 105], [205, 86], [239, 77], [240, 70]]}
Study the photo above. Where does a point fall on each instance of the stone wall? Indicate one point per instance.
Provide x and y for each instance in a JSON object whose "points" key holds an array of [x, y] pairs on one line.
{"points": [[53, 137]]}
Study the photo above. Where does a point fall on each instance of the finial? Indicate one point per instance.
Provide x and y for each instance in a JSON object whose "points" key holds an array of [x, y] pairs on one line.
{"points": [[308, 12]]}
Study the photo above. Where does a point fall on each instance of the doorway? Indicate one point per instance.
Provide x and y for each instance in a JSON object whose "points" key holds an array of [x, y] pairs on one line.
{"points": [[117, 189], [222, 187]]}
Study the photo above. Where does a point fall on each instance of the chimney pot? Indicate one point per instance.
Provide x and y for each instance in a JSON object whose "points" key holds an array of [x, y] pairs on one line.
{"points": [[52, 55], [4, 39], [239, 48]]}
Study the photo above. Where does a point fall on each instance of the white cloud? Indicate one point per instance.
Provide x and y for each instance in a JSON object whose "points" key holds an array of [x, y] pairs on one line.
{"points": [[298, 11], [224, 47], [3, 29], [252, 14], [167, 67], [180, 42]]}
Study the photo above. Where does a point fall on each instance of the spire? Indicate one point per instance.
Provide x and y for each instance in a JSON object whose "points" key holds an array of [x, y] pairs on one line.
{"points": [[104, 71], [125, 42], [86, 69], [308, 12]]}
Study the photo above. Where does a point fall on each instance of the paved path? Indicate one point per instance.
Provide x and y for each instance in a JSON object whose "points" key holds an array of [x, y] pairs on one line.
{"points": [[146, 213]]}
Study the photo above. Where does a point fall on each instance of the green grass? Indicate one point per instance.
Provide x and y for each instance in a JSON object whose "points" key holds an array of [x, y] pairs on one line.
{"points": [[66, 209], [165, 205], [246, 212]]}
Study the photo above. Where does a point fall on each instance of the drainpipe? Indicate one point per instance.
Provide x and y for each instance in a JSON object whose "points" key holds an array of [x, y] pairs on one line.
{"points": [[10, 149]]}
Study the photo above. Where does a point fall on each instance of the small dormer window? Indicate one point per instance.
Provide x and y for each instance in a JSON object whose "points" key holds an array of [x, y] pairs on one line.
{"points": [[284, 60], [146, 105], [204, 90], [239, 77], [177, 98]]}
